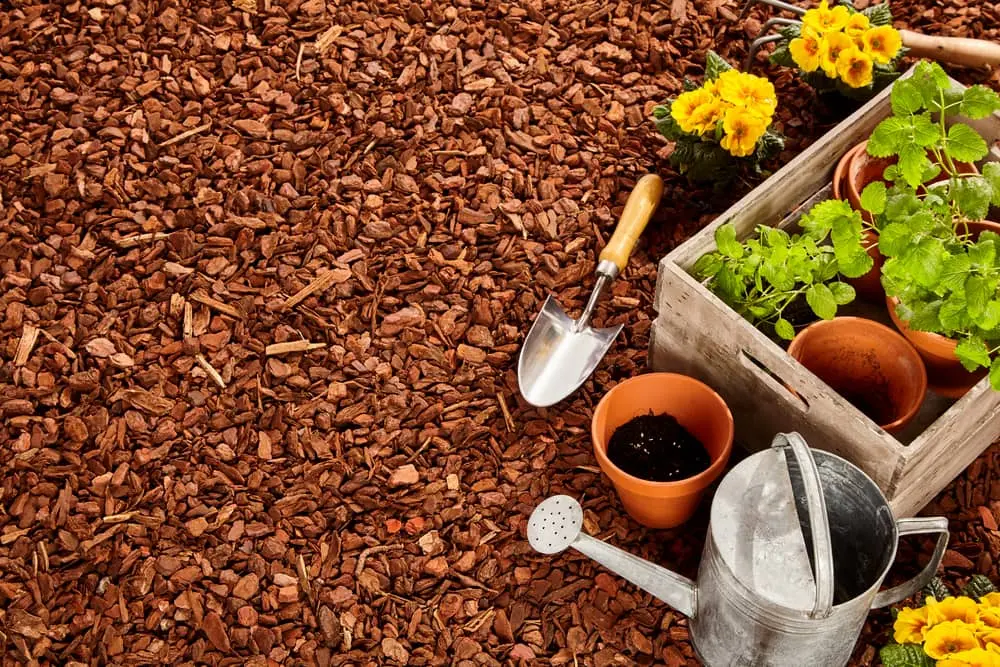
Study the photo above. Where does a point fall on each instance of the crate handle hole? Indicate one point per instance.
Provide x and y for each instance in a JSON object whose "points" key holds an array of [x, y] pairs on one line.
{"points": [[772, 379]]}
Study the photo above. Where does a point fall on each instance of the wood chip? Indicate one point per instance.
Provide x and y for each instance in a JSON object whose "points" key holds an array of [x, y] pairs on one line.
{"points": [[318, 284], [225, 308], [293, 346], [29, 335], [212, 373]]}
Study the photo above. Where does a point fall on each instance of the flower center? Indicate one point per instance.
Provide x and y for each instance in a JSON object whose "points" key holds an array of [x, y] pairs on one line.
{"points": [[877, 44]]}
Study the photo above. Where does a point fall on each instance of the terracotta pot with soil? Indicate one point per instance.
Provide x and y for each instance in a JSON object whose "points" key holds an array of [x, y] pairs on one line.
{"points": [[662, 439], [867, 363], [945, 373], [855, 171]]}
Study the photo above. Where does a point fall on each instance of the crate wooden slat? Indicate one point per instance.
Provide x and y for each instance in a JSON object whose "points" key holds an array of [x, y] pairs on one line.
{"points": [[769, 392]]}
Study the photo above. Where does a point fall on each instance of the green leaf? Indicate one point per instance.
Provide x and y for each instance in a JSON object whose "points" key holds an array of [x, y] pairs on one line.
{"points": [[924, 132], [878, 14], [889, 136], [995, 374], [784, 329], [707, 265], [990, 319], [983, 252], [991, 172], [904, 655], [843, 293], [725, 239], [821, 218], [821, 300], [728, 284], [936, 589], [906, 98], [973, 353], [973, 195], [965, 144], [955, 270], [979, 102], [924, 261], [925, 317], [913, 162], [978, 292], [979, 586], [952, 315], [894, 238], [715, 65], [873, 197]]}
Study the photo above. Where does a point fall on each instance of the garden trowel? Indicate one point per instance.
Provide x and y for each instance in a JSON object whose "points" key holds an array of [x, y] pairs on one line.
{"points": [[560, 353]]}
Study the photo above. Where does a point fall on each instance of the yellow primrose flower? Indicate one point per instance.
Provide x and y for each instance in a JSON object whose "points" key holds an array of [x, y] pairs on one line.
{"points": [[742, 129], [882, 43], [976, 657], [910, 626], [856, 26], [684, 106], [748, 91], [806, 49], [991, 599], [854, 67], [707, 116], [987, 635], [948, 638], [952, 609], [989, 616], [833, 45], [823, 19]]}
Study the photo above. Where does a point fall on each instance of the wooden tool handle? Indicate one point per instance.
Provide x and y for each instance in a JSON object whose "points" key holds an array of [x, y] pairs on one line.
{"points": [[638, 210], [954, 50]]}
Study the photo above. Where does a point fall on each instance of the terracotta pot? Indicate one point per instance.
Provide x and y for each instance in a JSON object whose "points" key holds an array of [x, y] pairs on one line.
{"points": [[867, 363], [698, 409]]}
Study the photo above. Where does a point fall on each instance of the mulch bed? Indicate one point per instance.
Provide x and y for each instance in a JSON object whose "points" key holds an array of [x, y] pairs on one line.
{"points": [[265, 270]]}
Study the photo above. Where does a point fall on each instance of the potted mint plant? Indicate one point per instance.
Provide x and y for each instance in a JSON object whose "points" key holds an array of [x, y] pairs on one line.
{"points": [[942, 268]]}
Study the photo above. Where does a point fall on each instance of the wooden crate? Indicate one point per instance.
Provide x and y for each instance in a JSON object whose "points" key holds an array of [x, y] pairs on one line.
{"points": [[695, 333]]}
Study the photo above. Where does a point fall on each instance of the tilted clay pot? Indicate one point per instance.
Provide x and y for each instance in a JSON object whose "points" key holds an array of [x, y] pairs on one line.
{"points": [[698, 409], [867, 363]]}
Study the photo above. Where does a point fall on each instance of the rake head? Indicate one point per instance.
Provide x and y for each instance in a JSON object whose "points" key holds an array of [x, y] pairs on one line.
{"points": [[763, 37]]}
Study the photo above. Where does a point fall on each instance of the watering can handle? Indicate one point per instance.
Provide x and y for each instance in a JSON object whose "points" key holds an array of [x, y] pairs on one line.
{"points": [[819, 521], [918, 526]]}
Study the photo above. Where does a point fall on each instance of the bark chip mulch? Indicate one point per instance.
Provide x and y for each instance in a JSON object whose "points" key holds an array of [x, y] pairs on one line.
{"points": [[265, 268]]}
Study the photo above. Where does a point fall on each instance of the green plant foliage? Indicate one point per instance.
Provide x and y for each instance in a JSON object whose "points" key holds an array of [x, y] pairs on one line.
{"points": [[946, 278], [905, 655], [979, 586], [936, 589], [764, 277]]}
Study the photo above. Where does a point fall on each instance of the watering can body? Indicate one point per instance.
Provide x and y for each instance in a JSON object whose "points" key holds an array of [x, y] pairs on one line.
{"points": [[799, 543]]}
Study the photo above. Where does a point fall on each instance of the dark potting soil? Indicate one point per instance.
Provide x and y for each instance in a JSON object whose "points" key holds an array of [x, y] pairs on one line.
{"points": [[658, 449], [873, 400]]}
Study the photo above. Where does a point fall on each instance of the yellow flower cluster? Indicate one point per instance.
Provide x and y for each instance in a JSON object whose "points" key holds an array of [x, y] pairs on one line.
{"points": [[956, 631], [742, 103], [843, 45]]}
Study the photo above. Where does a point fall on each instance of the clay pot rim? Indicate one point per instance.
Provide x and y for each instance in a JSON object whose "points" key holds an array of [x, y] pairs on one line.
{"points": [[865, 323], [840, 172], [680, 487]]}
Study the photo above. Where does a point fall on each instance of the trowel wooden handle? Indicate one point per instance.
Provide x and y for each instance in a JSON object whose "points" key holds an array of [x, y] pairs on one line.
{"points": [[639, 209], [954, 50]]}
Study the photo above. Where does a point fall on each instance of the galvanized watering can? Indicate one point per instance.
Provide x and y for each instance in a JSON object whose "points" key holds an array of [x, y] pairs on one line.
{"points": [[798, 545]]}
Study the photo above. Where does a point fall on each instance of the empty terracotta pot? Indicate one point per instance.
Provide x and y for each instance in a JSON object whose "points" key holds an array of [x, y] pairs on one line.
{"points": [[698, 409], [945, 373], [867, 363]]}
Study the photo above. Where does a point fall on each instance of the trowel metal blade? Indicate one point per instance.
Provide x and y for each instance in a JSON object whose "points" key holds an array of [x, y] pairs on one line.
{"points": [[555, 360]]}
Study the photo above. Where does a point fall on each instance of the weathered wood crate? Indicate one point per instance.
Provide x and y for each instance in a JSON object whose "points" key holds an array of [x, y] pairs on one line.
{"points": [[697, 334]]}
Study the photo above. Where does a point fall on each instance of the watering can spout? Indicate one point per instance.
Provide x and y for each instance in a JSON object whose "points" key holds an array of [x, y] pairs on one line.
{"points": [[557, 524], [670, 587]]}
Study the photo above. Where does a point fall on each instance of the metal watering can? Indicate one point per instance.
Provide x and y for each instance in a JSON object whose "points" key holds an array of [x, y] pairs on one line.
{"points": [[798, 544]]}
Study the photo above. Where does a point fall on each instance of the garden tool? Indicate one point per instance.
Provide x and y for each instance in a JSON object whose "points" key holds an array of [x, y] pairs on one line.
{"points": [[955, 50], [798, 544], [560, 353]]}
